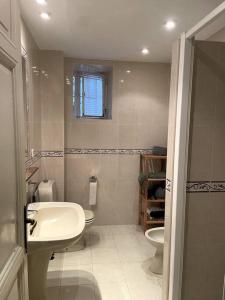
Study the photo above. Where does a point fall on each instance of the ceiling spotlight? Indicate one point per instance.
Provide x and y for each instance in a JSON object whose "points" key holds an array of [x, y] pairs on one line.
{"points": [[122, 81], [128, 71], [45, 16], [170, 25], [145, 51], [42, 2]]}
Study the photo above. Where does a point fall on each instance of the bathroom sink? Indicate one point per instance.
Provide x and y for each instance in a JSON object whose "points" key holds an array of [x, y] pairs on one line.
{"points": [[53, 226], [58, 224]]}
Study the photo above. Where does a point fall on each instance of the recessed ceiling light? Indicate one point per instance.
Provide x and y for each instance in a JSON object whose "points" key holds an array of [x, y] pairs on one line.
{"points": [[145, 51], [128, 71], [42, 2], [170, 25], [45, 16], [122, 81]]}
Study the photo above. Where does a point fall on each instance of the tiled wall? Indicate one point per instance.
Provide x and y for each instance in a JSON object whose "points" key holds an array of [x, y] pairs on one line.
{"points": [[31, 52], [46, 111], [139, 121], [52, 125], [204, 258]]}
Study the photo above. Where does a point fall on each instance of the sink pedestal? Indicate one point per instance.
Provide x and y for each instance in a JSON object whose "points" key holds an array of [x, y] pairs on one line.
{"points": [[37, 274]]}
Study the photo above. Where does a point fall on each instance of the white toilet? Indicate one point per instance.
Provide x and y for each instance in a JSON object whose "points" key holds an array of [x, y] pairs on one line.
{"points": [[47, 193], [156, 237]]}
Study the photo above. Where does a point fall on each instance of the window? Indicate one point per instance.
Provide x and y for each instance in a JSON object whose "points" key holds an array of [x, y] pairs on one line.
{"points": [[91, 94]]}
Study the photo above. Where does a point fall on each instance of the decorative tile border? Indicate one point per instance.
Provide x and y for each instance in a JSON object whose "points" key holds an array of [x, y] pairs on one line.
{"points": [[205, 186], [41, 154], [52, 153], [168, 185], [108, 151], [46, 153], [32, 160]]}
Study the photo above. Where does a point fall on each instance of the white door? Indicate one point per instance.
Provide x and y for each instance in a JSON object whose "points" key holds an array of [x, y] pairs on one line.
{"points": [[13, 283]]}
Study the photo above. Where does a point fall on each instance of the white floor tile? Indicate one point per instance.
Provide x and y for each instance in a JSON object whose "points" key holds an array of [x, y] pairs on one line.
{"points": [[141, 291], [132, 255], [127, 241], [100, 240], [54, 278], [104, 256], [78, 292], [112, 291], [125, 229], [76, 275], [106, 273], [53, 293], [113, 266], [104, 230], [82, 257], [139, 272]]}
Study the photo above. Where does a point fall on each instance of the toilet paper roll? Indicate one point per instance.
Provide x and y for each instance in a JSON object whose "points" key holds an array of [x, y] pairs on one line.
{"points": [[93, 193]]}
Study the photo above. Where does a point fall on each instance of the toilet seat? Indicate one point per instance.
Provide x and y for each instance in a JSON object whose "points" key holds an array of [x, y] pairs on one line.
{"points": [[89, 216]]}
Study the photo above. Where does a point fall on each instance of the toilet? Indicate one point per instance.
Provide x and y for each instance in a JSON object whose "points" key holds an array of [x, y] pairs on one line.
{"points": [[47, 193], [156, 237]]}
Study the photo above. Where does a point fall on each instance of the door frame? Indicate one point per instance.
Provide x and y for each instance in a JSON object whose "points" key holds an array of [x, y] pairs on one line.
{"points": [[15, 268], [181, 150]]}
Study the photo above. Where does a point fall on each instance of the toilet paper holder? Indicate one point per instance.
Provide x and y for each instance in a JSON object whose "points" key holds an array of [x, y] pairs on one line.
{"points": [[93, 179]]}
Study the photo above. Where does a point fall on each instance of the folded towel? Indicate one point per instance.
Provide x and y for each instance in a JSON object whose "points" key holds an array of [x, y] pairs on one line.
{"points": [[142, 178], [159, 175], [160, 193], [156, 213], [158, 150]]}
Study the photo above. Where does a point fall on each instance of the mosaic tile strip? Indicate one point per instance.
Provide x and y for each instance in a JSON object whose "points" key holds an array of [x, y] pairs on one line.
{"points": [[52, 153], [168, 185], [205, 186], [32, 160], [108, 151]]}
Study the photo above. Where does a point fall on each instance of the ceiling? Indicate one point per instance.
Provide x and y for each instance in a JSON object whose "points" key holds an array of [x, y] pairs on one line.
{"points": [[113, 30]]}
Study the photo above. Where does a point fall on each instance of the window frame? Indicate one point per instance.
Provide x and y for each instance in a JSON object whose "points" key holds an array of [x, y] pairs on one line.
{"points": [[77, 95]]}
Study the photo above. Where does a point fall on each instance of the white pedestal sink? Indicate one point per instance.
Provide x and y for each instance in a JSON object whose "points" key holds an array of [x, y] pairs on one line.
{"points": [[57, 225]]}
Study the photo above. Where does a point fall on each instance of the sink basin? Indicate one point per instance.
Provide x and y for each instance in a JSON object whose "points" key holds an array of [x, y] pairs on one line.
{"points": [[57, 225]]}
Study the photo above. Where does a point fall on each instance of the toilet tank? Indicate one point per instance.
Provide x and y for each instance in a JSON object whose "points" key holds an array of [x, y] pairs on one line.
{"points": [[47, 191]]}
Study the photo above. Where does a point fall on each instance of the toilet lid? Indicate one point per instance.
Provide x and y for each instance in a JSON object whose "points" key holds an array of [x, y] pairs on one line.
{"points": [[89, 216]]}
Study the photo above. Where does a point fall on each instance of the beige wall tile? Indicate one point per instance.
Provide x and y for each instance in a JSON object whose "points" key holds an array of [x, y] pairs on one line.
{"points": [[200, 153], [139, 120], [117, 196], [53, 168], [52, 100], [52, 136], [140, 100], [204, 257], [33, 88]]}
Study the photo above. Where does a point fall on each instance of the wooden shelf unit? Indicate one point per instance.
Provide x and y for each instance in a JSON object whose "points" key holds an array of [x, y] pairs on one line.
{"points": [[144, 201]]}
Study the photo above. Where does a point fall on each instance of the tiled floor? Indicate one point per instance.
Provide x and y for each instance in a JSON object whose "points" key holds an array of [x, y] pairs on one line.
{"points": [[113, 266]]}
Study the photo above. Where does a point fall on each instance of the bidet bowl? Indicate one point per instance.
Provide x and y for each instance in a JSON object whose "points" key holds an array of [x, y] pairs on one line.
{"points": [[156, 237]]}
